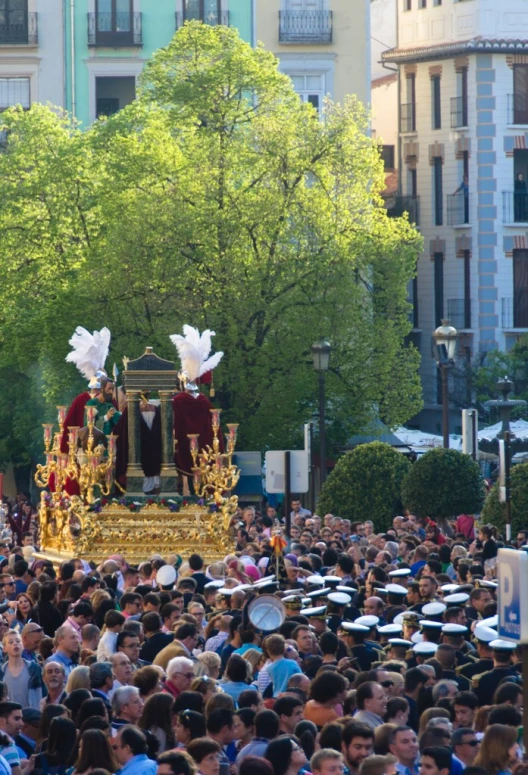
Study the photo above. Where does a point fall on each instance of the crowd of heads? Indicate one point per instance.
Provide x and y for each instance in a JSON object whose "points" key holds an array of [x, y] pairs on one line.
{"points": [[387, 660]]}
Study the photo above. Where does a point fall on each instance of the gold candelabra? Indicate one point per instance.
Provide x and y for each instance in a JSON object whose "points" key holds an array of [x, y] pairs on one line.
{"points": [[214, 473], [91, 471], [95, 470]]}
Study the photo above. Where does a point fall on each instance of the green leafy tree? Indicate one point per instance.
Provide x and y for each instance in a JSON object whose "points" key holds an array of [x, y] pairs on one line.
{"points": [[366, 482], [219, 199], [442, 484], [494, 512]]}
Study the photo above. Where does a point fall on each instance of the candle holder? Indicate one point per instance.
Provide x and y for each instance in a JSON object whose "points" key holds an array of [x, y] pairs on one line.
{"points": [[214, 473]]}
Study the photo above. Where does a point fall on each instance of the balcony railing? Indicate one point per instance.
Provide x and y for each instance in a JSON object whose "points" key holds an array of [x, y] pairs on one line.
{"points": [[459, 112], [514, 310], [459, 313], [17, 32], [514, 207], [305, 26], [408, 117], [518, 108], [212, 19], [115, 30], [398, 205], [458, 209]]}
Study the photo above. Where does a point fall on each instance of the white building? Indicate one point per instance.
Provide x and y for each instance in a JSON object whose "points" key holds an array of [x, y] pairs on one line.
{"points": [[463, 110], [31, 52]]}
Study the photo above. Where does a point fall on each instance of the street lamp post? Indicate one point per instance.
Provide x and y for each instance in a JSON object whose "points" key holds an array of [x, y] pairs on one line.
{"points": [[321, 361], [445, 339]]}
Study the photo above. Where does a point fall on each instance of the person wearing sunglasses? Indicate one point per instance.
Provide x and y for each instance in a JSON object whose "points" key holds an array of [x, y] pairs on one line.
{"points": [[179, 676], [465, 746]]}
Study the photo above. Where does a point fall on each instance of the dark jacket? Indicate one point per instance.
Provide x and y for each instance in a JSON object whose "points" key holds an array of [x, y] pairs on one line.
{"points": [[153, 645]]}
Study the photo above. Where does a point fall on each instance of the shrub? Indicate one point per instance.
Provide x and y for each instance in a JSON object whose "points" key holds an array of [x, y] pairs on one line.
{"points": [[494, 511], [366, 484], [443, 483]]}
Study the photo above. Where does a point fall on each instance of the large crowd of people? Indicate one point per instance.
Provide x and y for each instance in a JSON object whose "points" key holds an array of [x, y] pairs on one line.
{"points": [[387, 660]]}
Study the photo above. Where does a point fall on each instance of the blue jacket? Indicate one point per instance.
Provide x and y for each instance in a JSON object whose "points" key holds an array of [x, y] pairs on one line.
{"points": [[139, 765]]}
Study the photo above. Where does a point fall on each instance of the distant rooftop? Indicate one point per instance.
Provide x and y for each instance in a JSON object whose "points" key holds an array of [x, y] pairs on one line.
{"points": [[478, 44]]}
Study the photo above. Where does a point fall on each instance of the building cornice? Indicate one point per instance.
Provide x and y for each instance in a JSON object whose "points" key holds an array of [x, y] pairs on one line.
{"points": [[449, 49]]}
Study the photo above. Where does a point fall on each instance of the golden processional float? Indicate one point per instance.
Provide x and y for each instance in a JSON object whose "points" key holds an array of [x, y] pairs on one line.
{"points": [[83, 512]]}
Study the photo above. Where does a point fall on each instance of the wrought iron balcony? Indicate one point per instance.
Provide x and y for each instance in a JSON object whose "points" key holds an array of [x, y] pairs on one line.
{"points": [[514, 207], [459, 112], [398, 205], [514, 310], [117, 30], [518, 108], [213, 19], [408, 117], [305, 27], [17, 31], [458, 209], [459, 313]]}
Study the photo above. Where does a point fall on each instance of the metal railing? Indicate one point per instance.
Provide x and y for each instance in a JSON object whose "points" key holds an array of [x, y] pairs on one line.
{"points": [[305, 26], [514, 207], [212, 19], [518, 108], [514, 310], [17, 31], [458, 209], [408, 117], [459, 112], [459, 313], [115, 30], [398, 205]]}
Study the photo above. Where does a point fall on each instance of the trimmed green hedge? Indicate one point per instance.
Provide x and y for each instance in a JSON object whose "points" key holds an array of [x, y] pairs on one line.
{"points": [[443, 483], [366, 484], [494, 511]]}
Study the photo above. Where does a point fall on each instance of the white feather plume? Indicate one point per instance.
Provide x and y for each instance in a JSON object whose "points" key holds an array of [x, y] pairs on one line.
{"points": [[194, 350], [89, 351]]}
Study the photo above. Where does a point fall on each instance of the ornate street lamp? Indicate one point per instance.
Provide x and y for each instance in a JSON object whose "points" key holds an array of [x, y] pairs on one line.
{"points": [[321, 361], [445, 341]]}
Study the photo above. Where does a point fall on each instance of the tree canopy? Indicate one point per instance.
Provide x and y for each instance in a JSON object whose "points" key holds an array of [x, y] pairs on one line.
{"points": [[217, 199]]}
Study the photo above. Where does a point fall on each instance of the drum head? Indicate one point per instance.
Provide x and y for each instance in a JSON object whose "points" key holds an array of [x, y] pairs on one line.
{"points": [[266, 613]]}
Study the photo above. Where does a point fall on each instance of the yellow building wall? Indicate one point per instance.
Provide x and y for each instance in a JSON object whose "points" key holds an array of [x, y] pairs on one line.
{"points": [[349, 50]]}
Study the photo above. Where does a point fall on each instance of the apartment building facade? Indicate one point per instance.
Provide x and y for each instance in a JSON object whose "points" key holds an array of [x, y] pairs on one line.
{"points": [[463, 152], [323, 45], [31, 64]]}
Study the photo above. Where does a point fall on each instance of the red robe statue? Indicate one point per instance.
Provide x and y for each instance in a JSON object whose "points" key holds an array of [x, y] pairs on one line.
{"points": [[191, 415], [74, 418]]}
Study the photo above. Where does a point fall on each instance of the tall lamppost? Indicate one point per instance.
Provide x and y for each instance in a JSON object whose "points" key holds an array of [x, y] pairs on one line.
{"points": [[445, 339], [321, 360]]}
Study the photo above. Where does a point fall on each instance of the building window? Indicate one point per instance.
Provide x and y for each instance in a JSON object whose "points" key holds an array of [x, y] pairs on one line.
{"points": [[415, 302], [467, 289], [408, 108], [436, 103], [387, 155], [520, 288], [14, 91], [310, 88], [422, 3], [520, 94], [207, 11], [438, 192], [413, 183], [438, 288], [437, 2], [407, 5], [114, 15], [112, 93], [13, 21]]}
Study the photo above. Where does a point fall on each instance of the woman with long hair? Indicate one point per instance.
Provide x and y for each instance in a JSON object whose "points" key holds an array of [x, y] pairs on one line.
{"points": [[79, 678], [61, 742], [327, 692], [157, 718], [49, 713], [205, 685], [499, 750], [285, 756], [23, 610], [95, 752], [190, 725]]}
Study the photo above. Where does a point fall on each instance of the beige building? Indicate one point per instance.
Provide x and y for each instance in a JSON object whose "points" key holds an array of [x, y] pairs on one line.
{"points": [[323, 45]]}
